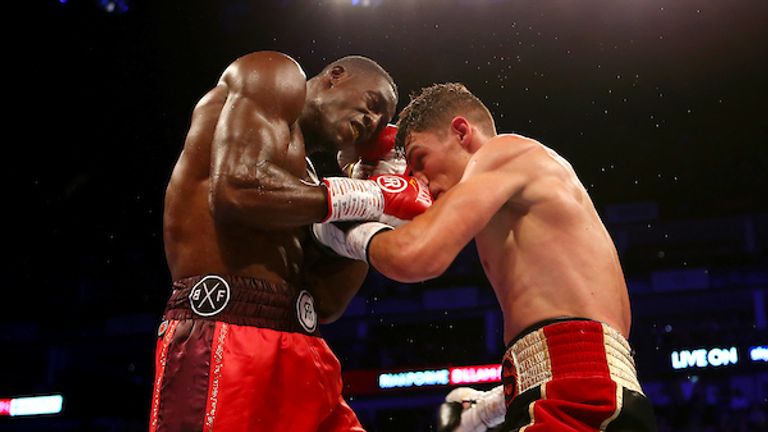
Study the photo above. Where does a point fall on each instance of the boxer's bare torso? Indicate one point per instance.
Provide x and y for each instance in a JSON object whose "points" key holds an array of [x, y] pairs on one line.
{"points": [[550, 256], [239, 199], [541, 243], [195, 242]]}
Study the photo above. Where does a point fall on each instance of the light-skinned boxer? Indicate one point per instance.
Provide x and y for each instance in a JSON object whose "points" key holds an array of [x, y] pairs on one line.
{"points": [[549, 258]]}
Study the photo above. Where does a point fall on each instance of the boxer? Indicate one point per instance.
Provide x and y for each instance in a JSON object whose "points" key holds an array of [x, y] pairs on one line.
{"points": [[551, 262], [238, 348]]}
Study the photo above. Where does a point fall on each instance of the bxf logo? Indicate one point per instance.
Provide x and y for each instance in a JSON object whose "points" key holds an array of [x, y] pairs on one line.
{"points": [[392, 184], [209, 296]]}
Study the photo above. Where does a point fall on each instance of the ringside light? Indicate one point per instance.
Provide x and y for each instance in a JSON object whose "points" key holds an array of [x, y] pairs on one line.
{"points": [[33, 405]]}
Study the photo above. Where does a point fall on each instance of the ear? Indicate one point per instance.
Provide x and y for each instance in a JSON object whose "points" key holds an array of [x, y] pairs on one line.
{"points": [[335, 74], [462, 129]]}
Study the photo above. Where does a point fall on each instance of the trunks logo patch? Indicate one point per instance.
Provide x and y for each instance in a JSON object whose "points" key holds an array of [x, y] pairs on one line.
{"points": [[209, 296], [305, 310]]}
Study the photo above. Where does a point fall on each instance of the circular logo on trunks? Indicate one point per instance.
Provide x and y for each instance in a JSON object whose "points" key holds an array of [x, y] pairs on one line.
{"points": [[163, 327], [391, 184], [209, 296], [305, 309]]}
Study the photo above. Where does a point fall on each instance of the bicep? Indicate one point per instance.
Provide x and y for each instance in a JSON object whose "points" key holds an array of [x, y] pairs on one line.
{"points": [[425, 247]]}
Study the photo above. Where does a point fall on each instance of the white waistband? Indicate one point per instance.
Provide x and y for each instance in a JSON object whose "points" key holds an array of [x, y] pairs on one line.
{"points": [[531, 358]]}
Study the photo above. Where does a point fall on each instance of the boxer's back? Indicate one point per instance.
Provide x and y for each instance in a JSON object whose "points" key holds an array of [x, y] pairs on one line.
{"points": [[195, 242]]}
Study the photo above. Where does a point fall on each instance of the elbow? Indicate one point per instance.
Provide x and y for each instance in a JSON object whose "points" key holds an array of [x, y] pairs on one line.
{"points": [[424, 264], [228, 204], [223, 202]]}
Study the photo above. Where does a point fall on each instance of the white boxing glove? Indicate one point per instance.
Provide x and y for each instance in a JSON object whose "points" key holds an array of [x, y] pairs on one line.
{"points": [[482, 410], [351, 243]]}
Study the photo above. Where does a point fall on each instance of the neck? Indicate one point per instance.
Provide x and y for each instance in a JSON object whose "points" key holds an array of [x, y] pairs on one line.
{"points": [[312, 143], [309, 121], [479, 139]]}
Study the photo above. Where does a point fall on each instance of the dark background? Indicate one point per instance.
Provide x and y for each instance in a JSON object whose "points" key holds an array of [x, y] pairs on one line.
{"points": [[659, 105]]}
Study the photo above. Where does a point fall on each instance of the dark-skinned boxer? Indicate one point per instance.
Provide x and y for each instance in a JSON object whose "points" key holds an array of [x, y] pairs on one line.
{"points": [[239, 349]]}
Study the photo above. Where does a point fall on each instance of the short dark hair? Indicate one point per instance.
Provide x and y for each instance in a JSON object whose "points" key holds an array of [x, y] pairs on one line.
{"points": [[436, 105], [367, 65]]}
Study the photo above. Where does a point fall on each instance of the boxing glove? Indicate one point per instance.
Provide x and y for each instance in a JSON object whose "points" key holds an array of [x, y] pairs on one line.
{"points": [[351, 243], [392, 199], [376, 157], [378, 148], [480, 410]]}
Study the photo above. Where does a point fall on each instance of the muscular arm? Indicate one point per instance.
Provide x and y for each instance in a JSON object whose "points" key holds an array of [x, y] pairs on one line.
{"points": [[425, 247], [249, 186]]}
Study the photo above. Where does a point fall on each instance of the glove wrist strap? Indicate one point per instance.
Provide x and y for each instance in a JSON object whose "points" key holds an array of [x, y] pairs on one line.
{"points": [[352, 243], [350, 199]]}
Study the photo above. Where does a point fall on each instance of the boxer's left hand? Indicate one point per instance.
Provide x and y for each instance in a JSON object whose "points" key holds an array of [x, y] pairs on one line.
{"points": [[377, 156], [351, 242], [392, 163]]}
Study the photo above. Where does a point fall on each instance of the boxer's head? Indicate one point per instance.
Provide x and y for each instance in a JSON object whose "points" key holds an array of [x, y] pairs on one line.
{"points": [[352, 99], [439, 130]]}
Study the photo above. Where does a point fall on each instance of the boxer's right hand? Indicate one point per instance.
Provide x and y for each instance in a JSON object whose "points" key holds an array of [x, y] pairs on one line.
{"points": [[391, 199], [469, 410]]}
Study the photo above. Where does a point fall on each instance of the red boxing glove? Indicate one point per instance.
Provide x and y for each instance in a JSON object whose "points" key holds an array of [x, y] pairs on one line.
{"points": [[404, 198], [389, 198], [379, 147], [377, 156]]}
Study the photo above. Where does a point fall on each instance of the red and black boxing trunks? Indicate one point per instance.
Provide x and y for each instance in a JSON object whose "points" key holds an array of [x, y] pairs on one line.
{"points": [[240, 354], [574, 375]]}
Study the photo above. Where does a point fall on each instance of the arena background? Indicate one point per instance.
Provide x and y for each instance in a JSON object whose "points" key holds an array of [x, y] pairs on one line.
{"points": [[661, 106]]}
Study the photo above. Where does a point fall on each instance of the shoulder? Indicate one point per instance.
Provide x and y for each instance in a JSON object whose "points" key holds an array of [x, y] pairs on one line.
{"points": [[508, 151], [270, 76], [264, 67]]}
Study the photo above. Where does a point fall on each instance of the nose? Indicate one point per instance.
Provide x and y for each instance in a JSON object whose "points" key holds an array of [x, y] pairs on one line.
{"points": [[418, 175]]}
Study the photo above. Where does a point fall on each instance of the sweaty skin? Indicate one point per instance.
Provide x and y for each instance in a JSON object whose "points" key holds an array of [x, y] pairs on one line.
{"points": [[236, 203], [540, 240]]}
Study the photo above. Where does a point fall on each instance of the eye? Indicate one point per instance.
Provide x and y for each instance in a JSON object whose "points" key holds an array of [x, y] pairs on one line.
{"points": [[372, 102], [418, 161]]}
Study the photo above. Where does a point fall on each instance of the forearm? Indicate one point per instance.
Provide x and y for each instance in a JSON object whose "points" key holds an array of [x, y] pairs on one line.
{"points": [[426, 246], [333, 282], [268, 197], [406, 256]]}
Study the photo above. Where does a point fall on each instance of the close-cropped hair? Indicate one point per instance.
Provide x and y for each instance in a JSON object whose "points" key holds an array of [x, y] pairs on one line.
{"points": [[364, 64], [434, 106]]}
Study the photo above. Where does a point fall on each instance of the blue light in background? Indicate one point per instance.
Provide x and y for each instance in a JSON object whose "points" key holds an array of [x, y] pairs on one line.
{"points": [[114, 6]]}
